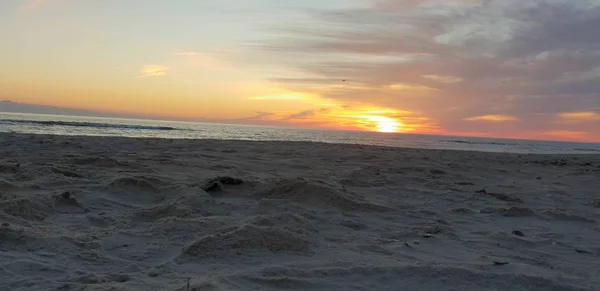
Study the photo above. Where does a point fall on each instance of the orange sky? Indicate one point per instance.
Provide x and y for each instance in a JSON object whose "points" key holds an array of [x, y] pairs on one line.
{"points": [[198, 61]]}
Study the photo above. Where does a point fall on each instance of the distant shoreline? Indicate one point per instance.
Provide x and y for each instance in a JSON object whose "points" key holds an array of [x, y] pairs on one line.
{"points": [[223, 142]]}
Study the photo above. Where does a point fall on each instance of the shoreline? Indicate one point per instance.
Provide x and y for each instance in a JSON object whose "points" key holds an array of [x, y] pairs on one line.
{"points": [[197, 122], [119, 213], [307, 142]]}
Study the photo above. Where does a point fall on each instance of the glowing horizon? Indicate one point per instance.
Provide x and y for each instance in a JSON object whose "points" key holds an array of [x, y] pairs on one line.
{"points": [[334, 67]]}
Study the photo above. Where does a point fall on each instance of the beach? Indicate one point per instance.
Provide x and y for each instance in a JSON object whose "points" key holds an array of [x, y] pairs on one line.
{"points": [[113, 213]]}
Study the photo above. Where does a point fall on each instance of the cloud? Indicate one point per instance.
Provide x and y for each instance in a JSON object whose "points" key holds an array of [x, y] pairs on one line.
{"points": [[153, 71], [584, 116], [259, 115], [301, 115], [531, 60], [409, 87], [493, 118], [387, 5], [443, 79], [33, 4]]}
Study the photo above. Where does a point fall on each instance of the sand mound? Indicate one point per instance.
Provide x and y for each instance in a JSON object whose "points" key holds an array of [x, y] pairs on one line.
{"points": [[137, 183], [280, 283], [99, 279], [189, 202], [244, 240], [138, 190], [43, 174], [433, 229], [199, 286], [409, 277], [26, 208], [462, 210], [99, 162], [68, 203], [33, 239], [194, 198], [353, 224], [317, 193], [368, 176], [510, 212], [560, 215], [177, 226], [66, 172], [502, 196], [105, 287], [10, 235], [292, 222], [7, 186], [219, 183], [9, 168], [163, 211]]}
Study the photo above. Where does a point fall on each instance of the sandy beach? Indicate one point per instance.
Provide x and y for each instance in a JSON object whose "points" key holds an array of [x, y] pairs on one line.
{"points": [[95, 213]]}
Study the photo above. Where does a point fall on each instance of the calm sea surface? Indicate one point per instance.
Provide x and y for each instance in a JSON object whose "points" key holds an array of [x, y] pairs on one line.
{"points": [[93, 126]]}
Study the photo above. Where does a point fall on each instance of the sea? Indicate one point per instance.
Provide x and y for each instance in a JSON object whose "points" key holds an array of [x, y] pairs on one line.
{"points": [[99, 126]]}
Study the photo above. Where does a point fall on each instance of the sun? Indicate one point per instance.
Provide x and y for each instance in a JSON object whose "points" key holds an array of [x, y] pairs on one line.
{"points": [[385, 124]]}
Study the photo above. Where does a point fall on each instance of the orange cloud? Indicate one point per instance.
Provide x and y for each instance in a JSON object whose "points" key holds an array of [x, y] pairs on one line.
{"points": [[153, 71], [577, 117], [443, 79], [493, 118], [409, 87], [566, 134]]}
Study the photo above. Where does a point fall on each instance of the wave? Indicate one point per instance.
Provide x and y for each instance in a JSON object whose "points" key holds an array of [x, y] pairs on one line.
{"points": [[85, 124], [481, 142], [586, 150]]}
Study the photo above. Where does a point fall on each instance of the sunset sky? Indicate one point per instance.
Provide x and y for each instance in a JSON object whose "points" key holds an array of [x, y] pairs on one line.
{"points": [[499, 68]]}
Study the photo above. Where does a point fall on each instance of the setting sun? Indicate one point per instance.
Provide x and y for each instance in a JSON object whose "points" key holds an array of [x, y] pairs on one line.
{"points": [[385, 124], [375, 119]]}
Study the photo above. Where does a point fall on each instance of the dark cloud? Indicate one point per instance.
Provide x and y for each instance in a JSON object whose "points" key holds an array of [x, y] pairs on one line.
{"points": [[528, 59]]}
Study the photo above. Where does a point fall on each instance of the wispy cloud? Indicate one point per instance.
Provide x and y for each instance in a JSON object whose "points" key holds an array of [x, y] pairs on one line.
{"points": [[259, 116], [386, 5], [33, 4], [409, 87], [307, 114], [153, 71], [493, 118], [443, 79]]}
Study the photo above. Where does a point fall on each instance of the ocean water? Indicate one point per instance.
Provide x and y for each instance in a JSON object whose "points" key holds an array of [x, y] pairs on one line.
{"points": [[95, 126]]}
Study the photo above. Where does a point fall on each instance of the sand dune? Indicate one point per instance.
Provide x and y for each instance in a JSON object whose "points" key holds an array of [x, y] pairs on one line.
{"points": [[91, 213]]}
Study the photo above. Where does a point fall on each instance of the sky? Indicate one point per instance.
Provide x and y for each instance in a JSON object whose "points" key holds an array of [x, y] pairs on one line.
{"points": [[496, 68]]}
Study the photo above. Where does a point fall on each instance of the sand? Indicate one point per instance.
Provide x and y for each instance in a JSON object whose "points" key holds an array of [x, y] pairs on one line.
{"points": [[93, 213]]}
